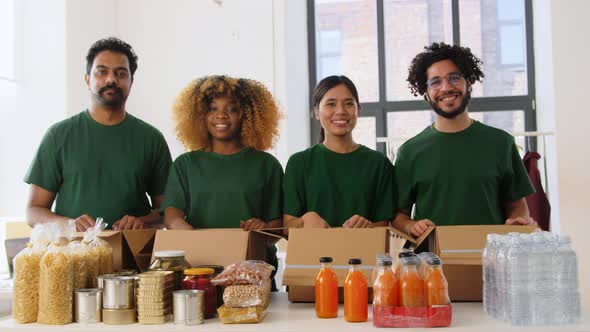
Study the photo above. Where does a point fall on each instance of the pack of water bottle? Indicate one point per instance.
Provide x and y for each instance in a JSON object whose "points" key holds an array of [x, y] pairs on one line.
{"points": [[531, 279]]}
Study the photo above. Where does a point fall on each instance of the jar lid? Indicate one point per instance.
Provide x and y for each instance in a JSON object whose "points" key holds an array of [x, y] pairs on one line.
{"points": [[198, 271], [169, 253], [325, 259]]}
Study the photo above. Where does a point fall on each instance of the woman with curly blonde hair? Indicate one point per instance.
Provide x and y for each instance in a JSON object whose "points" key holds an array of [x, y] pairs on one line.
{"points": [[226, 180]]}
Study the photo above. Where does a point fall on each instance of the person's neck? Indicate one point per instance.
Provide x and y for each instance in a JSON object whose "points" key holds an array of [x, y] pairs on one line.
{"points": [[455, 125], [340, 144], [106, 116], [226, 147]]}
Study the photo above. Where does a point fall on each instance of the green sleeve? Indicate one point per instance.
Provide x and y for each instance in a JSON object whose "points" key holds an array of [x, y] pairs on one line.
{"points": [[293, 188], [406, 195], [515, 183], [160, 168], [176, 193], [46, 169], [386, 202], [273, 193]]}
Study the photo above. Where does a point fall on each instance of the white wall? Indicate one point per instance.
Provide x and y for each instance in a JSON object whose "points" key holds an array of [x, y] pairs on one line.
{"points": [[35, 100], [568, 27]]}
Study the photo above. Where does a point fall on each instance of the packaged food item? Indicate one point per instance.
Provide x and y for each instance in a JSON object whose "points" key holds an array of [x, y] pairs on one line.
{"points": [[80, 252], [171, 260], [356, 294], [240, 296], [100, 253], [326, 290], [56, 280], [240, 315], [25, 297], [251, 272], [200, 278]]}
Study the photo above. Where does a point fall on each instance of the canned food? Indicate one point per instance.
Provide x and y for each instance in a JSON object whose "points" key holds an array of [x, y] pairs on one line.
{"points": [[119, 316], [88, 305], [188, 306], [119, 292]]}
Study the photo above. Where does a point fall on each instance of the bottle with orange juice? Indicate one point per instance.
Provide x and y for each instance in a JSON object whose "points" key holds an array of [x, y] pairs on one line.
{"points": [[436, 288], [356, 293], [411, 284], [326, 290], [385, 288]]}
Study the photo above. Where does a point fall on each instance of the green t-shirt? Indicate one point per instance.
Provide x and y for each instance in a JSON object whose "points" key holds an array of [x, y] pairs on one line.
{"points": [[218, 191], [102, 171], [462, 178], [339, 185]]}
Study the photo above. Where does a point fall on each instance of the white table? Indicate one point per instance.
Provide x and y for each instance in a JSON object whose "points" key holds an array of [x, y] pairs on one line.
{"points": [[285, 316]]}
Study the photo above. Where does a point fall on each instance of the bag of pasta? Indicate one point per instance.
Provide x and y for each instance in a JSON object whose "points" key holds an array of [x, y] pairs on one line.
{"points": [[100, 254], [244, 273], [80, 254], [25, 296], [56, 279]]}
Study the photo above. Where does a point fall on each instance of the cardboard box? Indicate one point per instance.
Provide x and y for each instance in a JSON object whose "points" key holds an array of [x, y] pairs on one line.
{"points": [[460, 248], [306, 246], [131, 249], [215, 246]]}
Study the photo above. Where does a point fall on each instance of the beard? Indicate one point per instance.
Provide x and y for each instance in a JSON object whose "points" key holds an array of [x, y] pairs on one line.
{"points": [[454, 113], [115, 101]]}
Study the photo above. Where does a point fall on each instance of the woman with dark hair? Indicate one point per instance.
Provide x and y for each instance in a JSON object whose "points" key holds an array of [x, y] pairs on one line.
{"points": [[338, 182]]}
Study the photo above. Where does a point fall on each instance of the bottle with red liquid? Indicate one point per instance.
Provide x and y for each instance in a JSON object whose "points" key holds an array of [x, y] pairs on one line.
{"points": [[356, 293], [326, 290], [200, 278]]}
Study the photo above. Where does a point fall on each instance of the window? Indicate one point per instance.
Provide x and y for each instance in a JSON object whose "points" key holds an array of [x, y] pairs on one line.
{"points": [[7, 39], [374, 41]]}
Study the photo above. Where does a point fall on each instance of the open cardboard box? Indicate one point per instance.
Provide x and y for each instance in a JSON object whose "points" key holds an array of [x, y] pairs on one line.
{"points": [[215, 246], [131, 249], [307, 245], [460, 248]]}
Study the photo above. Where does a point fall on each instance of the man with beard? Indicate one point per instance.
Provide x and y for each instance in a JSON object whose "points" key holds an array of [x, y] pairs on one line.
{"points": [[457, 171], [102, 161]]}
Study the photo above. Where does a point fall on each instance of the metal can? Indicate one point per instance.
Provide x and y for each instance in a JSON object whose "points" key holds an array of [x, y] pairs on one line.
{"points": [[119, 292], [88, 305], [188, 306]]}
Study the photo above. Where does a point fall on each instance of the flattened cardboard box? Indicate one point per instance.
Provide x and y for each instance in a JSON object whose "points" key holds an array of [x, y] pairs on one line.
{"points": [[460, 248], [214, 246], [306, 246]]}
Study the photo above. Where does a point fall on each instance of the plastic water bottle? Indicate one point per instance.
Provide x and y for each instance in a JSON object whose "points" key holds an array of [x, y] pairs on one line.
{"points": [[566, 283], [543, 294], [485, 273], [500, 284], [517, 283]]}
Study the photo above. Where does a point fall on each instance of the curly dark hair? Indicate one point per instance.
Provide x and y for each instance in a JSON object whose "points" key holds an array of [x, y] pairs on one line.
{"points": [[112, 44], [468, 64], [259, 112]]}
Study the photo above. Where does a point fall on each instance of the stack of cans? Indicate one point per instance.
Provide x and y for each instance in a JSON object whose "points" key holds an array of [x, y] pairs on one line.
{"points": [[154, 297]]}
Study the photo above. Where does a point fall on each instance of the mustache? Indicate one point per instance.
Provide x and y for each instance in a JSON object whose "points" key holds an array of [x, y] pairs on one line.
{"points": [[113, 86]]}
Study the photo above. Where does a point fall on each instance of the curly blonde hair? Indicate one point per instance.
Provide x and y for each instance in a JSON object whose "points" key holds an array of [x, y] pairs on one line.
{"points": [[259, 111]]}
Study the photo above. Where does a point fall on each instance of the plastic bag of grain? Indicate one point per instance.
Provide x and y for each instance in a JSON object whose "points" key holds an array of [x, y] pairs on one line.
{"points": [[80, 254], [100, 258], [56, 279], [25, 296]]}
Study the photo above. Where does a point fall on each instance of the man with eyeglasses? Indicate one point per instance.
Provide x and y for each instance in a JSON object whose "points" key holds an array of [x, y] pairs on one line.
{"points": [[457, 171], [102, 162]]}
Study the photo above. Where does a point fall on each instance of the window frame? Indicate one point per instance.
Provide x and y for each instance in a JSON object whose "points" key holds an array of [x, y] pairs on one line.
{"points": [[380, 109]]}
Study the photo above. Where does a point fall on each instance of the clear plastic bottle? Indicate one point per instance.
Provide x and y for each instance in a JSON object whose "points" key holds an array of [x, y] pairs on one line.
{"points": [[567, 283], [487, 270], [499, 309], [542, 295], [517, 283]]}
